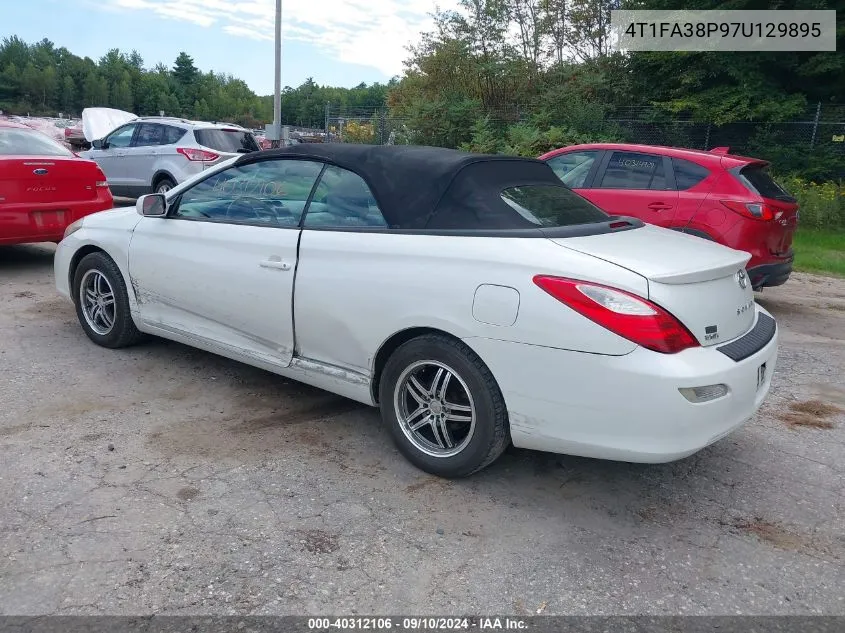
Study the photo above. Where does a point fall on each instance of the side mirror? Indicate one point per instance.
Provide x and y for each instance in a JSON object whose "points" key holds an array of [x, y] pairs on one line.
{"points": [[152, 205], [97, 144]]}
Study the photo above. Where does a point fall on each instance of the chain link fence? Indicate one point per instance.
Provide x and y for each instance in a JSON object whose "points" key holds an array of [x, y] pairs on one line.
{"points": [[820, 129]]}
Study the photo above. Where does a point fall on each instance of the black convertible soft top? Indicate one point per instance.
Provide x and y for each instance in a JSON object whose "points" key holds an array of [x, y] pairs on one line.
{"points": [[409, 182], [434, 188]]}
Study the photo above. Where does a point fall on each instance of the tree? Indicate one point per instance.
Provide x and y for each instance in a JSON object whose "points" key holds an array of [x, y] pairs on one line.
{"points": [[135, 61], [31, 84], [185, 75], [10, 80], [68, 97], [15, 51], [49, 86], [530, 19], [43, 79], [184, 70], [553, 27], [722, 87], [588, 34], [95, 91], [201, 110], [121, 94]]}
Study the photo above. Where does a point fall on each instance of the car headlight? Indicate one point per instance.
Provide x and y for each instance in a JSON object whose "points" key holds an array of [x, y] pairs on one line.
{"points": [[73, 227]]}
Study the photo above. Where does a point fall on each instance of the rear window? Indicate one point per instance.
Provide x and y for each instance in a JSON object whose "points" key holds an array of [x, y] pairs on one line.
{"points": [[549, 206], [227, 140], [17, 142], [758, 180]]}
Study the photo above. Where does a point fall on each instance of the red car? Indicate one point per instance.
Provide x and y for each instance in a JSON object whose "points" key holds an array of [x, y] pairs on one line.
{"points": [[715, 195], [44, 186], [76, 138]]}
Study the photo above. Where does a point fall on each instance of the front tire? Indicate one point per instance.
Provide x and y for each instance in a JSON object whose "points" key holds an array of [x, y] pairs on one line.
{"points": [[443, 407], [102, 302]]}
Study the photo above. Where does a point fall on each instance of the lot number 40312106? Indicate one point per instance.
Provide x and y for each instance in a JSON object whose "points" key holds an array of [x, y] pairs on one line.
{"points": [[356, 623]]}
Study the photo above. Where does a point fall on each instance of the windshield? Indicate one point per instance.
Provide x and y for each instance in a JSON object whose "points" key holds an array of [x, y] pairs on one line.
{"points": [[227, 140], [549, 205], [21, 142]]}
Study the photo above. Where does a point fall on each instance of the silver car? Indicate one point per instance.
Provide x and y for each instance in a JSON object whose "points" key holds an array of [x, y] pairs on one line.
{"points": [[154, 154]]}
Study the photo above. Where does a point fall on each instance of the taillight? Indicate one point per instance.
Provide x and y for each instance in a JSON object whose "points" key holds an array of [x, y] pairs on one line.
{"points": [[755, 210], [197, 154], [623, 313], [102, 183]]}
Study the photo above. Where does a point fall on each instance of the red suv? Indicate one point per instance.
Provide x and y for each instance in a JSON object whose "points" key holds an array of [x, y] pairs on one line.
{"points": [[715, 195]]}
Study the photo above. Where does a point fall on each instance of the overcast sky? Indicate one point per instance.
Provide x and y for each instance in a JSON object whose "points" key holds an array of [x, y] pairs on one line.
{"points": [[337, 42]]}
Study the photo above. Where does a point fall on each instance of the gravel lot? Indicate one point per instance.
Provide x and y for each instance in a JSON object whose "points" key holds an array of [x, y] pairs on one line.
{"points": [[164, 479]]}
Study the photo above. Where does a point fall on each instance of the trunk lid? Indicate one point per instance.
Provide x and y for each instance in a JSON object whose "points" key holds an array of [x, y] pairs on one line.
{"points": [[696, 280], [47, 179]]}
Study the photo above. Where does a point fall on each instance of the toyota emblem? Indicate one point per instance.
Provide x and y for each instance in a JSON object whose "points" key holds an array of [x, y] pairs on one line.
{"points": [[742, 278]]}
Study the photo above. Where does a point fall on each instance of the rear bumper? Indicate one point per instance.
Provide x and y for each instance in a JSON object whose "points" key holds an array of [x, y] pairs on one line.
{"points": [[774, 274], [25, 224], [626, 408]]}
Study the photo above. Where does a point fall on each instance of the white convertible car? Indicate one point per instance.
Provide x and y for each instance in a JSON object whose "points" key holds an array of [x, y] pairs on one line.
{"points": [[475, 299]]}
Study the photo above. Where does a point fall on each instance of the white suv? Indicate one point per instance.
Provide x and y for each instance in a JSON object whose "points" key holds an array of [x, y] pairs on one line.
{"points": [[154, 154]]}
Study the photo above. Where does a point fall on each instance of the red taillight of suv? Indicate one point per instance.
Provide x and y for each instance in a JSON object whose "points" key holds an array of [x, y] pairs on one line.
{"points": [[754, 210], [197, 154], [623, 313]]}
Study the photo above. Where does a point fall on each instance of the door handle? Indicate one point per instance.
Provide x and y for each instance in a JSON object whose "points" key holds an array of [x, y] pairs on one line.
{"points": [[659, 206], [274, 262]]}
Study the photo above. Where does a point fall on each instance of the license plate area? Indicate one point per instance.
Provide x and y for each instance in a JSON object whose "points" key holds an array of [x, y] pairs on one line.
{"points": [[761, 376], [50, 220]]}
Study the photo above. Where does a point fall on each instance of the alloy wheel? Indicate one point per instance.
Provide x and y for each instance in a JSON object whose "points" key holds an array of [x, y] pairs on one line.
{"points": [[435, 408], [96, 297]]}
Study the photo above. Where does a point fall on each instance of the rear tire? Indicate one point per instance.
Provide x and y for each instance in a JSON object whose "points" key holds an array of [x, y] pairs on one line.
{"points": [[102, 302], [443, 407], [163, 185]]}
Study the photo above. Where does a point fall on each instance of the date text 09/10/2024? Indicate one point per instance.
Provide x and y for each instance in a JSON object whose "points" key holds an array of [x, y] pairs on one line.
{"points": [[417, 624]]}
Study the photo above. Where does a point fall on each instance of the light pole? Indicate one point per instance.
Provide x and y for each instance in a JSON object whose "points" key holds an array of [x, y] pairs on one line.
{"points": [[277, 95]]}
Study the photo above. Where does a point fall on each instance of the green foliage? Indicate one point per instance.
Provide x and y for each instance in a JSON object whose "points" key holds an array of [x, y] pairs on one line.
{"points": [[821, 205], [41, 79], [818, 163], [550, 60], [528, 138], [486, 137], [68, 98], [305, 105], [722, 87], [184, 71], [121, 94], [95, 90]]}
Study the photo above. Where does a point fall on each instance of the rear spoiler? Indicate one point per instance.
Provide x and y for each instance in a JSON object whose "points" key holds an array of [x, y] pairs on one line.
{"points": [[738, 162]]}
